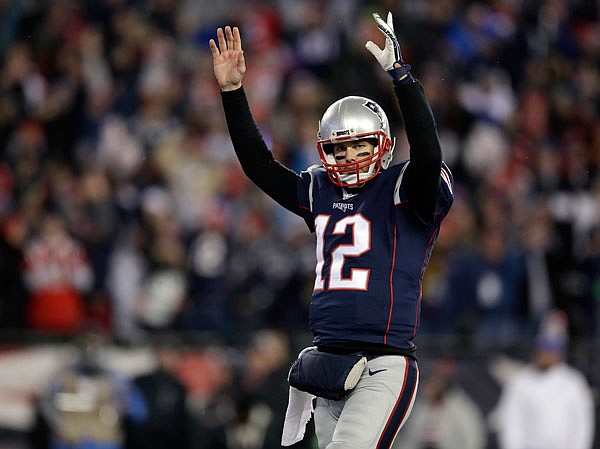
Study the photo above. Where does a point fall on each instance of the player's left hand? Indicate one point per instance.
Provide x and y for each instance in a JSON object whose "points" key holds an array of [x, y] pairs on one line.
{"points": [[390, 57]]}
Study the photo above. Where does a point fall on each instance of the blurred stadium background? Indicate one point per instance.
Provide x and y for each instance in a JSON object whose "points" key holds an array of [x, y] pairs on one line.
{"points": [[124, 213]]}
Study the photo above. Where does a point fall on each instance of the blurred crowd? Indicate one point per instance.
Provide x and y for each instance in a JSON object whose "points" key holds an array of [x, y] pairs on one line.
{"points": [[177, 396], [122, 205], [123, 208]]}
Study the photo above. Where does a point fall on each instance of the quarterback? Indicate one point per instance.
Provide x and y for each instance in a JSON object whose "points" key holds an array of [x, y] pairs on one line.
{"points": [[375, 223]]}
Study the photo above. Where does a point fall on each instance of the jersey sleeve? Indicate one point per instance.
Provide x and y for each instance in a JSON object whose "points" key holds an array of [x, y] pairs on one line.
{"points": [[445, 194], [306, 190]]}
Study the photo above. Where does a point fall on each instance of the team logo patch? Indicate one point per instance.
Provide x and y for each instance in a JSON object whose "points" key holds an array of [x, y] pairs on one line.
{"points": [[376, 109]]}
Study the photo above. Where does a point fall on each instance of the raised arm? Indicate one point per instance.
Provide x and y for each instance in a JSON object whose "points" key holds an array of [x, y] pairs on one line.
{"points": [[422, 177], [276, 180], [421, 180]]}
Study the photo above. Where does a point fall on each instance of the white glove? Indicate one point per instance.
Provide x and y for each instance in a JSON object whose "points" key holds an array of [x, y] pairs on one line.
{"points": [[390, 57]]}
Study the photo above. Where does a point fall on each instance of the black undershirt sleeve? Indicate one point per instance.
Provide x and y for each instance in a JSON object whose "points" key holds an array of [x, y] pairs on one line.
{"points": [[421, 180], [258, 163]]}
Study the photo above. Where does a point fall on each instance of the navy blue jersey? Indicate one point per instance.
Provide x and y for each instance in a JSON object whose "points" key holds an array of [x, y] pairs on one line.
{"points": [[372, 250]]}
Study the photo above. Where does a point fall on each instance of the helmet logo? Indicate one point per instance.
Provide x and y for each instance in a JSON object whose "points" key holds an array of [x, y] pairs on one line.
{"points": [[369, 104]]}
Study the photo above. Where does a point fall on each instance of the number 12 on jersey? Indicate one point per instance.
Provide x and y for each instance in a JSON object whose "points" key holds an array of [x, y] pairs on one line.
{"points": [[360, 229]]}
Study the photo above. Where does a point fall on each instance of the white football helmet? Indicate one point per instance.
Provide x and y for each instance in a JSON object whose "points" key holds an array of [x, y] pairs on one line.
{"points": [[354, 118]]}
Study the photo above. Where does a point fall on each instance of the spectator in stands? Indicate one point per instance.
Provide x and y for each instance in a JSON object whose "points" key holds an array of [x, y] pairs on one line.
{"points": [[13, 296], [165, 396], [549, 404], [260, 392], [444, 416], [57, 276], [484, 289], [87, 405]]}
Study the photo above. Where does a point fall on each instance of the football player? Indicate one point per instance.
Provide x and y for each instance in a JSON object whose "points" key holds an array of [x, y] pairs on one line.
{"points": [[375, 224]]}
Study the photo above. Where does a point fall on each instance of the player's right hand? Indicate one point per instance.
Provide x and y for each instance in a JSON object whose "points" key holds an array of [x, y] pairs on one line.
{"points": [[228, 58]]}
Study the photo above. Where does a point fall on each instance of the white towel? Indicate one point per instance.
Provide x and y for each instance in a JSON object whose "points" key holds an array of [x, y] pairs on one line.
{"points": [[297, 415]]}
